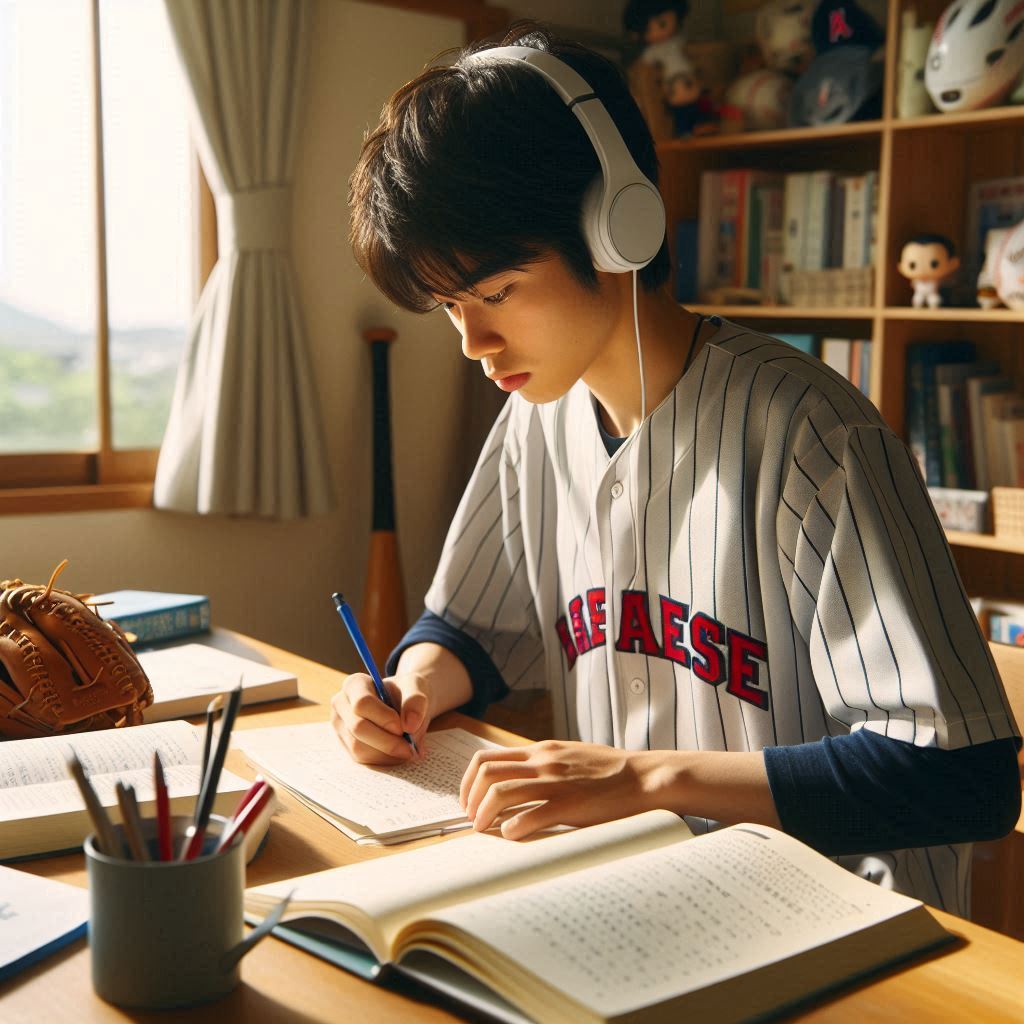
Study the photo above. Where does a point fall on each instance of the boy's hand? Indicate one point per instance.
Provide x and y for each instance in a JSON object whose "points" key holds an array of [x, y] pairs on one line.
{"points": [[575, 784], [369, 729]]}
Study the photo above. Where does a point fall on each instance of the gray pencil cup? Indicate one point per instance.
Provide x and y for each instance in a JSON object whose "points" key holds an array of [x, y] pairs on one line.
{"points": [[167, 933]]}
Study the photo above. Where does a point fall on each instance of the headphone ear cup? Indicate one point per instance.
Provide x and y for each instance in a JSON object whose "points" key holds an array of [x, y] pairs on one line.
{"points": [[592, 218], [590, 223]]}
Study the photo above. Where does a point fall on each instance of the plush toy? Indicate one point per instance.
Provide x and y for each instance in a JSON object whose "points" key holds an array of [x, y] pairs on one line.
{"points": [[660, 25], [762, 97], [783, 31], [926, 261]]}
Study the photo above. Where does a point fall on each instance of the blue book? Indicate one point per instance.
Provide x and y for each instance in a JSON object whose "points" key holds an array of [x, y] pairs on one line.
{"points": [[805, 342], [37, 917], [922, 410], [152, 615]]}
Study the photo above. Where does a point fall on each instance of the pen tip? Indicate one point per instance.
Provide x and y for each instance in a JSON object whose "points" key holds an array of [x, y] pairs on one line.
{"points": [[338, 599]]}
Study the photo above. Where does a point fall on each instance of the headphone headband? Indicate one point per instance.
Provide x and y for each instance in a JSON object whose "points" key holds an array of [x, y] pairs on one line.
{"points": [[623, 218]]}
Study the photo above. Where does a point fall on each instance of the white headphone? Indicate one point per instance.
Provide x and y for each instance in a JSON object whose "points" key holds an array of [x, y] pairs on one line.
{"points": [[623, 217]]}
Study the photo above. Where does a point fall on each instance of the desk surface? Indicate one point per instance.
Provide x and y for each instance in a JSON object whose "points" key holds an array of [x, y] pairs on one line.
{"points": [[977, 979]]}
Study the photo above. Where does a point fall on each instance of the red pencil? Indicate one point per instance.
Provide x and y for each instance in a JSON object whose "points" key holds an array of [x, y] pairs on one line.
{"points": [[250, 794], [163, 810], [243, 821]]}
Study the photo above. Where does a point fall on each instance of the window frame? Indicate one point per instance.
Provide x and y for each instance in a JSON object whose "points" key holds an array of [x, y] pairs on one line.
{"points": [[104, 478]]}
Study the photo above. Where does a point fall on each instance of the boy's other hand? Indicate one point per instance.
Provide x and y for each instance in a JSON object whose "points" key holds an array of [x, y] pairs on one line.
{"points": [[369, 729], [561, 783]]}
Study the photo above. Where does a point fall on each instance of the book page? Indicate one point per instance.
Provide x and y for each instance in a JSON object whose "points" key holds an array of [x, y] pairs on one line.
{"points": [[641, 929], [196, 670], [395, 890], [311, 760], [49, 798], [35, 761]]}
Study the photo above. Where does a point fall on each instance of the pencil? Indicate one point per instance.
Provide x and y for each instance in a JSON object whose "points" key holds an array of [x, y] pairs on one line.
{"points": [[211, 712], [204, 805], [131, 821], [163, 810], [105, 834]]}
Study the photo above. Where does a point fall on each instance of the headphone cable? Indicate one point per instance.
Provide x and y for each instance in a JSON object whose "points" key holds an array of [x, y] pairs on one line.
{"points": [[639, 355]]}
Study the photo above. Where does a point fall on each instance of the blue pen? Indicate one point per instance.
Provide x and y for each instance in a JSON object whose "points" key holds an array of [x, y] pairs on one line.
{"points": [[364, 652]]}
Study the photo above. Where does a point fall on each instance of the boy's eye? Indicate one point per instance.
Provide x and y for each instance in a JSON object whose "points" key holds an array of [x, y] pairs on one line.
{"points": [[498, 297]]}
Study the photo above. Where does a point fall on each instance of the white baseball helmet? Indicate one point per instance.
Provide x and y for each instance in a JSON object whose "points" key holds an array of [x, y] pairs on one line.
{"points": [[976, 54]]}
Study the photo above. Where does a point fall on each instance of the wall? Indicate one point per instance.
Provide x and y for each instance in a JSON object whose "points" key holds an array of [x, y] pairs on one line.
{"points": [[270, 579]]}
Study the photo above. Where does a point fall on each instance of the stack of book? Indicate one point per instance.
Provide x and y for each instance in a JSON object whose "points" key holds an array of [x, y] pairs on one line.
{"points": [[965, 418], [754, 225]]}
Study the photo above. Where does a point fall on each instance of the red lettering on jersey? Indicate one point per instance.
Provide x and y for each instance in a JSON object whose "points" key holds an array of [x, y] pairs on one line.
{"points": [[579, 627], [705, 632], [743, 673], [636, 625], [571, 654], [595, 606], [838, 26], [673, 618]]}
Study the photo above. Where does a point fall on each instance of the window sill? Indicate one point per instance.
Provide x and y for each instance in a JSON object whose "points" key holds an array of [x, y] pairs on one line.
{"points": [[20, 501]]}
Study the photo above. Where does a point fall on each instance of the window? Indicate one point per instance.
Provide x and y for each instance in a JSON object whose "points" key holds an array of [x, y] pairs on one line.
{"points": [[97, 256]]}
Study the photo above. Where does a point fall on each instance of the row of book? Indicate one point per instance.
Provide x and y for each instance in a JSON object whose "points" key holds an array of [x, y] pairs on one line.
{"points": [[849, 357], [965, 418], [754, 225], [1005, 619]]}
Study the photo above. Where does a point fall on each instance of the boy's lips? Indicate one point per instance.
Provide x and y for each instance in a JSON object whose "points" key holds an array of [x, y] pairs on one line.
{"points": [[512, 381]]}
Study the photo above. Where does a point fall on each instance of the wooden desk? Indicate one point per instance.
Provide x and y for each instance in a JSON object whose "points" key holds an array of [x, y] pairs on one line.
{"points": [[978, 979]]}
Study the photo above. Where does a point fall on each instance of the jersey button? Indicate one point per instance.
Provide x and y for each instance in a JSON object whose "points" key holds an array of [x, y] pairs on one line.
{"points": [[637, 685], [617, 489]]}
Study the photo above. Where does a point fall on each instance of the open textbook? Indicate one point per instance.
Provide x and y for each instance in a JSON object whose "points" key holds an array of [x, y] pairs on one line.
{"points": [[633, 920], [374, 806], [41, 809], [187, 676]]}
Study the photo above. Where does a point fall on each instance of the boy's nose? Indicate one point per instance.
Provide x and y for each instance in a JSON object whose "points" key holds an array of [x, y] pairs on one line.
{"points": [[479, 340]]}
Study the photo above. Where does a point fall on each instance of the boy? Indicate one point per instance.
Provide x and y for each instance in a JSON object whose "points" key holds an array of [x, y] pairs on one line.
{"points": [[707, 545]]}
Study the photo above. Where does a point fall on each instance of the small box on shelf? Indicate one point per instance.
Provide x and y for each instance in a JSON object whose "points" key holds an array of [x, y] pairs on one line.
{"points": [[835, 287], [962, 510], [1008, 511]]}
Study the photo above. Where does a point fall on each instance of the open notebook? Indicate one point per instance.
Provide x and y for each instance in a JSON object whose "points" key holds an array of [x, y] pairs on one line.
{"points": [[376, 806]]}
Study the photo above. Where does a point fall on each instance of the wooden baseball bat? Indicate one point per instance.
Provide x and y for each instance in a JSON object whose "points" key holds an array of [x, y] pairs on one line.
{"points": [[383, 614]]}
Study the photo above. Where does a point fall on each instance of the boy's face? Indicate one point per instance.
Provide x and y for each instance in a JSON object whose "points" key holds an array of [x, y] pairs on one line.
{"points": [[535, 330]]}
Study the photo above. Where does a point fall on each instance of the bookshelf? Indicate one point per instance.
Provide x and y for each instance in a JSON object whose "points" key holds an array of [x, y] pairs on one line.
{"points": [[925, 166]]}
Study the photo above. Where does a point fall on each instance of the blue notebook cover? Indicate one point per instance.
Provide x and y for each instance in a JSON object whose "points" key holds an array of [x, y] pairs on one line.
{"points": [[37, 917]]}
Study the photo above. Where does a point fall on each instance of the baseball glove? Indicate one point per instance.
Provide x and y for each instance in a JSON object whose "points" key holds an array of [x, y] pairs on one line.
{"points": [[63, 669]]}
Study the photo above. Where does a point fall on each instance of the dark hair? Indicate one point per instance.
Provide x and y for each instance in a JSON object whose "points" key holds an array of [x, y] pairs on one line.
{"points": [[478, 168], [927, 239], [639, 12]]}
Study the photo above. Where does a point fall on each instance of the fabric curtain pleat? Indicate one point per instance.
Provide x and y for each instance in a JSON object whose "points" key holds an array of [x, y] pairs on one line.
{"points": [[245, 436]]}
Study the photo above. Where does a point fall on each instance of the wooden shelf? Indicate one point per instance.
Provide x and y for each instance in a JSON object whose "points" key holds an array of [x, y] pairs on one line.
{"points": [[777, 137], [987, 542], [993, 117], [786, 312], [955, 314]]}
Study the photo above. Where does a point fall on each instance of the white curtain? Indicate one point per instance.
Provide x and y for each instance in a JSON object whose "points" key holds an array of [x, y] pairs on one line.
{"points": [[244, 436]]}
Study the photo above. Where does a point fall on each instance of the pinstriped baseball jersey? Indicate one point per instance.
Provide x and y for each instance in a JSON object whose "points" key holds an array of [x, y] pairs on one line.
{"points": [[758, 565]]}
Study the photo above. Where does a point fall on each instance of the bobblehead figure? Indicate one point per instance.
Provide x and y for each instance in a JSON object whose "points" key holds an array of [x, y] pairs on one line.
{"points": [[926, 261]]}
